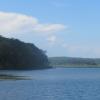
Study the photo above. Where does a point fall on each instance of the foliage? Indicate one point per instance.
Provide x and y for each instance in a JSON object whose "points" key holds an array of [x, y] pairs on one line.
{"points": [[15, 54]]}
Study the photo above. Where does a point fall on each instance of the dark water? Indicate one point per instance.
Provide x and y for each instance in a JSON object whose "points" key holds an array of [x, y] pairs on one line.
{"points": [[53, 84]]}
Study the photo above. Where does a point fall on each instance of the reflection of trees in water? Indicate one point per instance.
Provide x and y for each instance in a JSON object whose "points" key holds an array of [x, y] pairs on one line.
{"points": [[7, 72], [12, 77]]}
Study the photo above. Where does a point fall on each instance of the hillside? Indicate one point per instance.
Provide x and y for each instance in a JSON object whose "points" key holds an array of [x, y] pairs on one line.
{"points": [[72, 61], [15, 54]]}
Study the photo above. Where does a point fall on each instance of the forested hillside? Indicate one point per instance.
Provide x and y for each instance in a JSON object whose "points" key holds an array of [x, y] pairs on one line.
{"points": [[72, 61], [15, 54]]}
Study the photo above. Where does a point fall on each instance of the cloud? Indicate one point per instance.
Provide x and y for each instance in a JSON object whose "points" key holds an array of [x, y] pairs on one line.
{"points": [[49, 28], [19, 23], [52, 39]]}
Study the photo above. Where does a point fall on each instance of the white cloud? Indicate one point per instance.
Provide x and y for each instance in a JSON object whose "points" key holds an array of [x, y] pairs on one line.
{"points": [[49, 28], [52, 39], [19, 23], [64, 45]]}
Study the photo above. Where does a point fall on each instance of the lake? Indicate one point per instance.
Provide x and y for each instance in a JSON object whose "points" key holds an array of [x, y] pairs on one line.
{"points": [[53, 84]]}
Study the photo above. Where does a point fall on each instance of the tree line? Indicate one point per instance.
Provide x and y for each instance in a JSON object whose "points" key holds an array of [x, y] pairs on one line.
{"points": [[15, 54]]}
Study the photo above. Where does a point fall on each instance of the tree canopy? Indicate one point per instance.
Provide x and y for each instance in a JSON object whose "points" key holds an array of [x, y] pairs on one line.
{"points": [[15, 54]]}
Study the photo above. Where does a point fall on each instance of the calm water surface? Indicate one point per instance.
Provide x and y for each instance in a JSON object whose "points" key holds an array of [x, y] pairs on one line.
{"points": [[53, 84]]}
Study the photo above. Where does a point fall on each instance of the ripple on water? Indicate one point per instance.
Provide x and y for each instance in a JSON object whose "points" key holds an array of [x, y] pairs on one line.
{"points": [[54, 88]]}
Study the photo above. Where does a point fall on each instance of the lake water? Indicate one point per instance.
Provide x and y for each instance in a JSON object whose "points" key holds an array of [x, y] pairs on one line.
{"points": [[53, 84]]}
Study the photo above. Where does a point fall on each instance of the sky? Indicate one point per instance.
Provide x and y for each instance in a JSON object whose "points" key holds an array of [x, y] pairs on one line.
{"points": [[61, 27]]}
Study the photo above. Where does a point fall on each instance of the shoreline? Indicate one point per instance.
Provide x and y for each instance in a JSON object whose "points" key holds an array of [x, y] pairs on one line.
{"points": [[76, 66]]}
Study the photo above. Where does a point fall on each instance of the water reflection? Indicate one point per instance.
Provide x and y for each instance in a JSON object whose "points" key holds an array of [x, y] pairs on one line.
{"points": [[52, 84], [53, 74]]}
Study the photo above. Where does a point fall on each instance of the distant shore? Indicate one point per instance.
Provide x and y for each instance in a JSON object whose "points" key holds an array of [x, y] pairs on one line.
{"points": [[76, 66]]}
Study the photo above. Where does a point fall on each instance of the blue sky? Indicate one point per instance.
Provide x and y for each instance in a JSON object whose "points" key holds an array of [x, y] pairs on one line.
{"points": [[61, 27]]}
